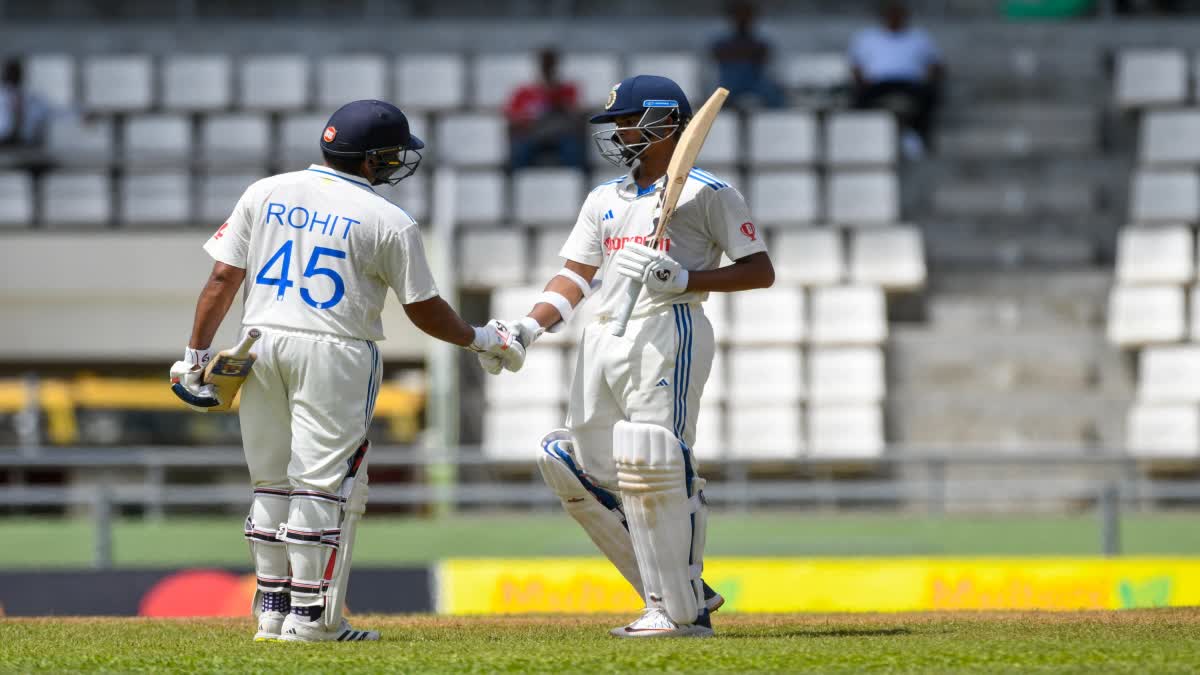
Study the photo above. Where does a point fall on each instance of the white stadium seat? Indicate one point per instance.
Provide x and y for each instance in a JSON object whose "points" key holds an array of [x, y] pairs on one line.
{"points": [[494, 77], [547, 242], [1156, 255], [769, 316], [480, 198], [820, 70], [543, 379], [765, 375], [547, 196], [1150, 77], [766, 432], [1194, 313], [1166, 197], [712, 443], [197, 82], [411, 195], [274, 82], [784, 197], [431, 81], [158, 140], [159, 198], [682, 67], [841, 375], [350, 77], [235, 140], [75, 198], [1141, 315], [861, 138], [515, 433], [300, 139], [848, 315], [890, 257], [1170, 137], [51, 76], [1169, 374], [809, 256], [16, 199], [845, 431], [73, 142], [490, 258], [863, 198], [723, 145], [782, 139], [219, 193], [716, 310], [594, 73], [118, 83], [1163, 431], [472, 139]]}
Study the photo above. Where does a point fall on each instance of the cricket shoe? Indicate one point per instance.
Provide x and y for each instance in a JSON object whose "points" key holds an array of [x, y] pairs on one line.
{"points": [[654, 622], [295, 629], [269, 625], [712, 599]]}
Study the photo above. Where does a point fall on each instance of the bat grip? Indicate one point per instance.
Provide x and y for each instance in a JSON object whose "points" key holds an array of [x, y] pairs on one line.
{"points": [[632, 291]]}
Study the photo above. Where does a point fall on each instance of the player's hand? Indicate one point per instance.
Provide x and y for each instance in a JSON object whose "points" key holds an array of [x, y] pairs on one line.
{"points": [[525, 329], [659, 272], [186, 380], [499, 348]]}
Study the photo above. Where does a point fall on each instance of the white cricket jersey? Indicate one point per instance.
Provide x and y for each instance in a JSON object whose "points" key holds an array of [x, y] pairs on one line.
{"points": [[320, 249], [711, 218]]}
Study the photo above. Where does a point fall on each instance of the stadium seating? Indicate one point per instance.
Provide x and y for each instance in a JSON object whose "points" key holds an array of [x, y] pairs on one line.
{"points": [[863, 198], [594, 73], [766, 375], [723, 145], [157, 140], [1163, 431], [16, 199], [846, 375], [889, 257], [490, 258], [53, 77], [431, 81], [864, 138], [1170, 137], [1166, 197], [76, 198], [1156, 255], [845, 431], [235, 140], [541, 381], [848, 315], [547, 196], [809, 256], [471, 139], [1142, 315], [1169, 374], [765, 432], [782, 139], [118, 83], [785, 198], [480, 197], [769, 316], [74, 142], [197, 83], [682, 67], [1151, 77], [343, 78], [300, 138], [274, 82], [220, 191], [513, 433], [494, 77], [158, 198], [411, 195]]}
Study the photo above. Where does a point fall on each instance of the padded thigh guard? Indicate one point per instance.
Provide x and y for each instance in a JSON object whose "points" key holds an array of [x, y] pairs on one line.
{"points": [[597, 510], [653, 472]]}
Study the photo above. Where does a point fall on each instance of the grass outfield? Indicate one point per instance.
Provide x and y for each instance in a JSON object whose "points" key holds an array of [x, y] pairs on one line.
{"points": [[30, 542], [1143, 641]]}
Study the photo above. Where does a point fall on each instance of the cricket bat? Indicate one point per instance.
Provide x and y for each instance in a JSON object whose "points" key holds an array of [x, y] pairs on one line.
{"points": [[682, 161], [225, 372]]}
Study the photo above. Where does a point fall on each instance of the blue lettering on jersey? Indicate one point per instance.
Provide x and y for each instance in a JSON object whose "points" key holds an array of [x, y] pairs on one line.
{"points": [[300, 218]]}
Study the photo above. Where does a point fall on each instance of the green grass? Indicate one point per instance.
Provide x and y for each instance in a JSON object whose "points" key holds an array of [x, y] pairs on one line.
{"points": [[30, 542], [1143, 641]]}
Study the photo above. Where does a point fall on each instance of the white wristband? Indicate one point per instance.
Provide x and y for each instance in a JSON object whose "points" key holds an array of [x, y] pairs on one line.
{"points": [[196, 357], [560, 302], [577, 279]]}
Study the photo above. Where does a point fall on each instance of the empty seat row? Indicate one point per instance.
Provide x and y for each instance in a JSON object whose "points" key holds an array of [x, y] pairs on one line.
{"points": [[418, 81], [1165, 196], [1163, 430], [1152, 77], [1169, 137], [754, 433], [1147, 315]]}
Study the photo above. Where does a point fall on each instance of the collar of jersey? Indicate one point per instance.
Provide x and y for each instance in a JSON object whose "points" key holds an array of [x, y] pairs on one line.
{"points": [[630, 187], [334, 173]]}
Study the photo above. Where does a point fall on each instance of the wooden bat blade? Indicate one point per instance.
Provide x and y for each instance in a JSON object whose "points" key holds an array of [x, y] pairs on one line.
{"points": [[229, 369]]}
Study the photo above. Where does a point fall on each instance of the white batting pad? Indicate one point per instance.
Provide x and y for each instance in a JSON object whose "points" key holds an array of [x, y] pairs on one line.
{"points": [[268, 509], [596, 510], [652, 475]]}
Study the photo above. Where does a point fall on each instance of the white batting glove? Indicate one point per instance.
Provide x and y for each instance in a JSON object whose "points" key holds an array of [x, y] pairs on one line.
{"points": [[526, 329], [188, 373], [500, 345], [659, 272]]}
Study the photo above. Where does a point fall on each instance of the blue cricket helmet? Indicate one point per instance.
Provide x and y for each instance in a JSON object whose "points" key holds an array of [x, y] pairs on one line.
{"points": [[376, 131], [634, 95]]}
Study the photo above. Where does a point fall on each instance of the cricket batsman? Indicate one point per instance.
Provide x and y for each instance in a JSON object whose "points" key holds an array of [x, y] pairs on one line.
{"points": [[623, 467], [319, 249]]}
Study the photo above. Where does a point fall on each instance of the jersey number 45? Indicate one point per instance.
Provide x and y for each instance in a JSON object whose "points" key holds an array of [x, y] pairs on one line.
{"points": [[283, 256]]}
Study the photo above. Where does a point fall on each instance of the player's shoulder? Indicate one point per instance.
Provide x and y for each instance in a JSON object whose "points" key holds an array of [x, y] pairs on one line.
{"points": [[609, 185], [702, 180]]}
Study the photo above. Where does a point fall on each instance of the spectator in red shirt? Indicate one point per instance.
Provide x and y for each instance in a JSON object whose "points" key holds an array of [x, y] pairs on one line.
{"points": [[544, 123]]}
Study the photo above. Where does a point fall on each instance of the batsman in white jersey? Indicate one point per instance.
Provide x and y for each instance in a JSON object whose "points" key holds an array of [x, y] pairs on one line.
{"points": [[319, 249], [623, 467]]}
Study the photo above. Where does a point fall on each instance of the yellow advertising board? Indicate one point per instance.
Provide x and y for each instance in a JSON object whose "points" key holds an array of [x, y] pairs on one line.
{"points": [[574, 585]]}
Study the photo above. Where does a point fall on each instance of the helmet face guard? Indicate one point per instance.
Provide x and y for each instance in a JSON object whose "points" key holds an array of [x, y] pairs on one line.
{"points": [[657, 124], [386, 163]]}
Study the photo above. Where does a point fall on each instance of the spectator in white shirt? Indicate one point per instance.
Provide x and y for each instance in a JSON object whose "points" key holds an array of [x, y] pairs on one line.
{"points": [[23, 114], [899, 68]]}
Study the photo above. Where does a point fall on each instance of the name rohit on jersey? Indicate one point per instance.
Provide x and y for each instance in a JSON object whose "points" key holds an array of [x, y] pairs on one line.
{"points": [[614, 244], [300, 218]]}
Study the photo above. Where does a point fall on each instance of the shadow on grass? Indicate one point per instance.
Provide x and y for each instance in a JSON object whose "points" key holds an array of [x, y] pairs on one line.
{"points": [[801, 633]]}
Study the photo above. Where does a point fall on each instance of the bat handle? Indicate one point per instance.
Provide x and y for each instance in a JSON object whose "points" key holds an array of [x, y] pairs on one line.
{"points": [[247, 342], [632, 291]]}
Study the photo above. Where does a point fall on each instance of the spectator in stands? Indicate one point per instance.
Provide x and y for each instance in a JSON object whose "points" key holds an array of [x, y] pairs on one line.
{"points": [[742, 58], [545, 125], [23, 114], [898, 67]]}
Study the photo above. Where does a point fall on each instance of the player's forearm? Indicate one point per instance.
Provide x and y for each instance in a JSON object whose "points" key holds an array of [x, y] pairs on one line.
{"points": [[753, 271], [545, 313], [214, 302], [437, 319]]}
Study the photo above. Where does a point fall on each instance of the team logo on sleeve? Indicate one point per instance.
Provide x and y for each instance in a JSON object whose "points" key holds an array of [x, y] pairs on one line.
{"points": [[748, 230], [612, 97], [220, 231], [330, 134]]}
